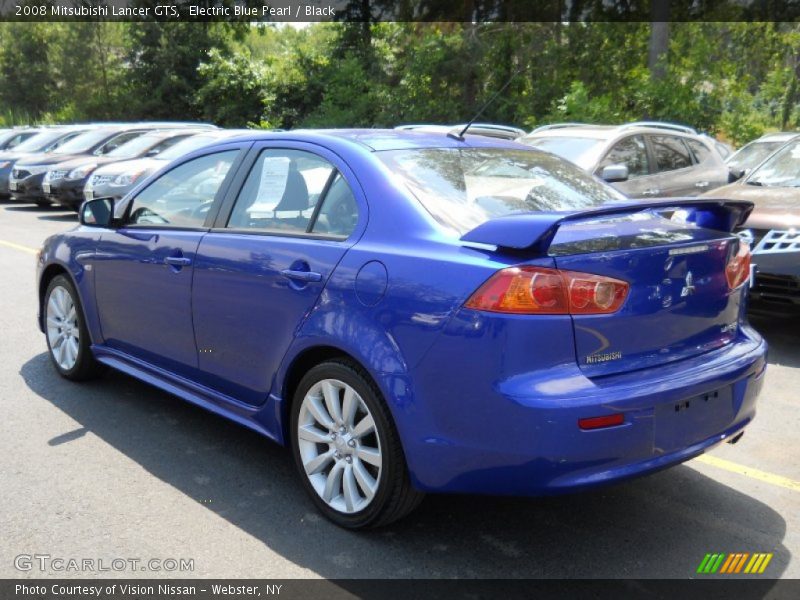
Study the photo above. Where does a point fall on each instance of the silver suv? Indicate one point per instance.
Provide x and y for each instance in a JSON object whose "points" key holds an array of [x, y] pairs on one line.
{"points": [[641, 159]]}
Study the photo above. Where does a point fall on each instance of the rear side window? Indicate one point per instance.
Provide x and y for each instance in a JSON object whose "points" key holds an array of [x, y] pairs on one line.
{"points": [[700, 151], [671, 153], [630, 152], [295, 192]]}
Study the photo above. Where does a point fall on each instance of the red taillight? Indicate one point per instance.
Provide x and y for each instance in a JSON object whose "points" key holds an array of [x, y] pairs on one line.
{"points": [[537, 290], [600, 422], [738, 268]]}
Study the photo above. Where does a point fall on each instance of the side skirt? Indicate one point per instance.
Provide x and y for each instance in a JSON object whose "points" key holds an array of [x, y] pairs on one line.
{"points": [[264, 419]]}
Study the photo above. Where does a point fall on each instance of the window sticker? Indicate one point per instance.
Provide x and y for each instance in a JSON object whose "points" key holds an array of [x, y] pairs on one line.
{"points": [[272, 185]]}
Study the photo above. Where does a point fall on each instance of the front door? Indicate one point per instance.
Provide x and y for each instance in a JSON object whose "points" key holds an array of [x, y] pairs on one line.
{"points": [[143, 270]]}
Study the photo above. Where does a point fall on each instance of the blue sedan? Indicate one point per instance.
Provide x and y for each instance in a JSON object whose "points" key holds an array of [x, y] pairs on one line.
{"points": [[416, 312]]}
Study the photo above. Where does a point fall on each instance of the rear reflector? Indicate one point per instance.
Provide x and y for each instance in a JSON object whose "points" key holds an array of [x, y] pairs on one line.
{"points": [[600, 422], [538, 290]]}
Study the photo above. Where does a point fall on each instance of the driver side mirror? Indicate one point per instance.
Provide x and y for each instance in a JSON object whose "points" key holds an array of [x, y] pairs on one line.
{"points": [[153, 152], [98, 212], [614, 173], [736, 174]]}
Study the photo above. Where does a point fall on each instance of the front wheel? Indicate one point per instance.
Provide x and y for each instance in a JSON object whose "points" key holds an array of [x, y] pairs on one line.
{"points": [[67, 335], [347, 450]]}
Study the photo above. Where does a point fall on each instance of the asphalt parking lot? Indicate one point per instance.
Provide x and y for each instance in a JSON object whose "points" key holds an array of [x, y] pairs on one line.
{"points": [[117, 469]]}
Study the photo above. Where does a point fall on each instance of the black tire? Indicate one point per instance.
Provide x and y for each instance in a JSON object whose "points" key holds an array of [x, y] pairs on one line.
{"points": [[395, 496], [86, 366], [43, 203]]}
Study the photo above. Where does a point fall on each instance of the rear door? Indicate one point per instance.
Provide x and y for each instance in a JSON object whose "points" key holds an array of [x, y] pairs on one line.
{"points": [[143, 273], [711, 171], [676, 173], [260, 271]]}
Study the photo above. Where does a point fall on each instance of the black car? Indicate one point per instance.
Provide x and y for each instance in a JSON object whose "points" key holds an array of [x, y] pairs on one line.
{"points": [[42, 140], [64, 185]]}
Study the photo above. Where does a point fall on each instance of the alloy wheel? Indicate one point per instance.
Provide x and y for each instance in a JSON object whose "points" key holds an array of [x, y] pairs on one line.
{"points": [[63, 331], [339, 446]]}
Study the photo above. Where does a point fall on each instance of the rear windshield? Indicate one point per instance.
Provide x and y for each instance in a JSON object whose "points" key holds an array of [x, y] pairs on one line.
{"points": [[581, 151], [463, 188]]}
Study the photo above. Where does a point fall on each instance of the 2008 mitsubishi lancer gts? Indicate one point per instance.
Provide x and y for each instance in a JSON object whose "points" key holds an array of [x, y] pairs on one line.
{"points": [[416, 312]]}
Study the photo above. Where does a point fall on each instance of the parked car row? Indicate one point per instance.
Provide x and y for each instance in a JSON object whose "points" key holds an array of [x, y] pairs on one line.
{"points": [[53, 164]]}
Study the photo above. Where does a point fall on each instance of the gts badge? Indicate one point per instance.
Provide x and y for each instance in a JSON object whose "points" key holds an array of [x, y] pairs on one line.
{"points": [[601, 358]]}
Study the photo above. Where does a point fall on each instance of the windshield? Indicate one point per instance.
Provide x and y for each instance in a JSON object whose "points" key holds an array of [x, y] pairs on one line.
{"points": [[187, 145], [85, 142], [136, 147], [463, 188], [41, 139], [582, 151], [752, 154], [781, 169]]}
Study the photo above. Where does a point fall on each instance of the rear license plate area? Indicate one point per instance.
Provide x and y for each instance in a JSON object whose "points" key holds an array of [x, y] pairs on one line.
{"points": [[692, 420]]}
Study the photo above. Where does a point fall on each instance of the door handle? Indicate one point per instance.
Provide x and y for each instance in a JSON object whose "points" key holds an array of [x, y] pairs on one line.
{"points": [[178, 261], [304, 276], [651, 192], [702, 184]]}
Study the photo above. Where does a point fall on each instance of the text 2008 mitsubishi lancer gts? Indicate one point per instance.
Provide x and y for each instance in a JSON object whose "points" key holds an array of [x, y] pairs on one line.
{"points": [[414, 312]]}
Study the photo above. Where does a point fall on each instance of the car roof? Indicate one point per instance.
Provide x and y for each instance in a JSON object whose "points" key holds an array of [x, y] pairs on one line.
{"points": [[386, 139], [778, 136], [607, 132]]}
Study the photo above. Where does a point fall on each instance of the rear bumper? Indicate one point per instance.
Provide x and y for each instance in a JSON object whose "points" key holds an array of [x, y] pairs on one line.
{"points": [[528, 441]]}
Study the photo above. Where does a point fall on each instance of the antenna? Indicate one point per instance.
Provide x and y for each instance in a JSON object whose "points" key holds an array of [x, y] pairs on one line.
{"points": [[460, 135]]}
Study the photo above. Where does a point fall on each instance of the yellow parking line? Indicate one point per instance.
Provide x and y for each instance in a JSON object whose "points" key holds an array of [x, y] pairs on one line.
{"points": [[18, 247], [779, 480]]}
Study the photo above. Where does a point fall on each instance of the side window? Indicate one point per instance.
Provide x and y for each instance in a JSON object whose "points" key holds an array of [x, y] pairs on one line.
{"points": [[282, 191], [117, 141], [630, 152], [338, 214], [182, 197], [699, 149], [62, 141], [16, 140], [671, 153], [163, 145]]}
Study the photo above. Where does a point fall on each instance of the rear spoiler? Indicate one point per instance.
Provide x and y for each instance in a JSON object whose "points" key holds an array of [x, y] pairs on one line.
{"points": [[534, 232]]}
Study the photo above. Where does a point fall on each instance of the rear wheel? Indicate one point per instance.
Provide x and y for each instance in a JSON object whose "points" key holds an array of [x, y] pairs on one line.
{"points": [[66, 332], [346, 448]]}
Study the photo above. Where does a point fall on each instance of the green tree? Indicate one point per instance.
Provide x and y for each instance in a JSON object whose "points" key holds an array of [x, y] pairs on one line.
{"points": [[26, 74]]}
